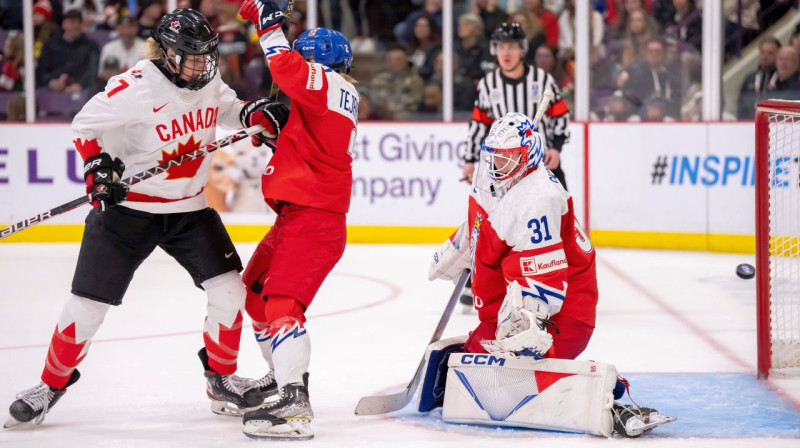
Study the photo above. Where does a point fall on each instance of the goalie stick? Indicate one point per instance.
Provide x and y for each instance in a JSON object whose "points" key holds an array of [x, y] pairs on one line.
{"points": [[132, 180], [382, 404]]}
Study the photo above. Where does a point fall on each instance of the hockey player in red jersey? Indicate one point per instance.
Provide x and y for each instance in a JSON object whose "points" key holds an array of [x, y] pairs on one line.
{"points": [[533, 267], [308, 184], [525, 246], [175, 97]]}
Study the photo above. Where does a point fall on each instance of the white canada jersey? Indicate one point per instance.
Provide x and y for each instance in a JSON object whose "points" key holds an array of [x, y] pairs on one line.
{"points": [[145, 120]]}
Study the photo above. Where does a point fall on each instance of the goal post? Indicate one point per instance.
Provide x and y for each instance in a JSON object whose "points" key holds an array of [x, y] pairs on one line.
{"points": [[777, 195]]}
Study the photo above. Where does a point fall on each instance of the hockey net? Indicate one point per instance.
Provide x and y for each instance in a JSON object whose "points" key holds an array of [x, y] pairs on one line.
{"points": [[778, 236]]}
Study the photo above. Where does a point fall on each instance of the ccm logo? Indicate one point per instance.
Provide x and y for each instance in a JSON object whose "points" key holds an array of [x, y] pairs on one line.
{"points": [[481, 360]]}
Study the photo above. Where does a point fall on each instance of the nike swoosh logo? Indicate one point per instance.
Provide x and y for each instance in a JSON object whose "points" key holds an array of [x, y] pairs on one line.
{"points": [[229, 255], [156, 109]]}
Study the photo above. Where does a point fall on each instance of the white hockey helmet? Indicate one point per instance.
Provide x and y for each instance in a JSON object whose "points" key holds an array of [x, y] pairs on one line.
{"points": [[512, 149]]}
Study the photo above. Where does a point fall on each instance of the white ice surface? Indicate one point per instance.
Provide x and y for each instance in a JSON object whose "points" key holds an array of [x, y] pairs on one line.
{"points": [[142, 384]]}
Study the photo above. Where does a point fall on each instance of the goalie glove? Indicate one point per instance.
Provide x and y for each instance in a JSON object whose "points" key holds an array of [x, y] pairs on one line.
{"points": [[102, 180], [521, 326], [270, 114], [452, 257]]}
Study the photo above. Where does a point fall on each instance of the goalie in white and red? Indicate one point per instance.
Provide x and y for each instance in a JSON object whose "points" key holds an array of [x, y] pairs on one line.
{"points": [[535, 290]]}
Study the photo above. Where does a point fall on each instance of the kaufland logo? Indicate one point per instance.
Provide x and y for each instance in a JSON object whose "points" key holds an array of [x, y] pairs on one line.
{"points": [[528, 265]]}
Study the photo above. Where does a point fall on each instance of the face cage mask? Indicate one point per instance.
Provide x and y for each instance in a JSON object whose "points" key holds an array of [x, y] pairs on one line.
{"points": [[197, 78], [499, 170]]}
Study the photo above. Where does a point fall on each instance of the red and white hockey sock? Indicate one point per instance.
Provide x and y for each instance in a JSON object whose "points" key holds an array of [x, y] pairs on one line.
{"points": [[289, 341], [222, 330], [79, 321], [255, 310]]}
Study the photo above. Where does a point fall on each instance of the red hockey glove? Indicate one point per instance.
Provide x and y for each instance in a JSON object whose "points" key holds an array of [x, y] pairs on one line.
{"points": [[102, 180], [265, 15]]}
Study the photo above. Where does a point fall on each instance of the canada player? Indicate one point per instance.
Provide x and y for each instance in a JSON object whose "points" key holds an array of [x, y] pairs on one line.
{"points": [[308, 184], [175, 97], [533, 267]]}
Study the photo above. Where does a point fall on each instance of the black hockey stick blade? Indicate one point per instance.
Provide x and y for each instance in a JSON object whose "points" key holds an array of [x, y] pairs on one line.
{"points": [[132, 180], [383, 404]]}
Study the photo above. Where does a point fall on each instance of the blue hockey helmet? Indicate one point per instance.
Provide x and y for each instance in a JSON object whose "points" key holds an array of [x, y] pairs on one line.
{"points": [[328, 47]]}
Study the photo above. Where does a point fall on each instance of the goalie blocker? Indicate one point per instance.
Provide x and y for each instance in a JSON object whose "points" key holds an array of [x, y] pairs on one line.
{"points": [[550, 394]]}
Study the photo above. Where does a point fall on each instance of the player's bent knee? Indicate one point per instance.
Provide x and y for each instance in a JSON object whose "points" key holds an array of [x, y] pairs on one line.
{"points": [[225, 290], [87, 314], [283, 310]]}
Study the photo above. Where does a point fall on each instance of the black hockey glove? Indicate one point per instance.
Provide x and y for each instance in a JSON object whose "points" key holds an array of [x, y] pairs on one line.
{"points": [[102, 180], [270, 114]]}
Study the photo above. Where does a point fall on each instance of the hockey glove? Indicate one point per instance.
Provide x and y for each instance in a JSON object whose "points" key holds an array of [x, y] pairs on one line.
{"points": [[265, 15], [270, 114], [102, 180], [521, 328], [452, 257]]}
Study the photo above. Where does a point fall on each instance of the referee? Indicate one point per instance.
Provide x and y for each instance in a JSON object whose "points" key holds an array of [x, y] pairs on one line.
{"points": [[516, 87]]}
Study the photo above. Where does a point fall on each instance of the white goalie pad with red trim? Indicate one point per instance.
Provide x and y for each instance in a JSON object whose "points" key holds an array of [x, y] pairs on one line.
{"points": [[551, 394]]}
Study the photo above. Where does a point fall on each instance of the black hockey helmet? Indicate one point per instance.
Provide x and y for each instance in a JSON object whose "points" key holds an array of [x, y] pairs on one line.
{"points": [[508, 32], [187, 32]]}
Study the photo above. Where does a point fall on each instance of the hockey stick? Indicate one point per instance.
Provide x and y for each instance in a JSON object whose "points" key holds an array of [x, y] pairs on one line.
{"points": [[382, 404], [133, 180], [273, 89], [547, 96]]}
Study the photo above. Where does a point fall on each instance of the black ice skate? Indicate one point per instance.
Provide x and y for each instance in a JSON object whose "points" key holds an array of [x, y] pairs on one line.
{"points": [[466, 298], [287, 419], [266, 387], [633, 421], [36, 402], [229, 394]]}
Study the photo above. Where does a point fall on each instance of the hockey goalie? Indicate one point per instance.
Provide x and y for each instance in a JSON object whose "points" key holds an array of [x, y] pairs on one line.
{"points": [[535, 290]]}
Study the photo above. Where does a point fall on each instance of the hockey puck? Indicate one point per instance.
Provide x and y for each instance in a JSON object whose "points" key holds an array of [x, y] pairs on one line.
{"points": [[745, 271]]}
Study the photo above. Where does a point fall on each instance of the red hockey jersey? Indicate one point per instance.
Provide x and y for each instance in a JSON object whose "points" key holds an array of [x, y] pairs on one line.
{"points": [[312, 163], [531, 235]]}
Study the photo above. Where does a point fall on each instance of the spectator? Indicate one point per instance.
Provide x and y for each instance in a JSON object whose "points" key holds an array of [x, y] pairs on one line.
{"points": [[755, 84], [43, 26], [471, 47], [786, 84], [209, 9], [533, 30], [566, 33], [425, 43], [150, 12], [546, 17], [620, 11], [431, 99], [687, 23], [547, 59], [652, 79], [463, 88], [489, 11], [637, 34], [405, 29], [619, 110], [399, 88], [13, 58], [92, 10], [127, 50], [655, 110], [233, 48], [69, 59]]}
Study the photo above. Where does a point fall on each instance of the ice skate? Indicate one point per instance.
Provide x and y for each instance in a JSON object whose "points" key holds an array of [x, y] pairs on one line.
{"points": [[36, 402], [632, 421], [467, 300], [230, 395], [287, 419]]}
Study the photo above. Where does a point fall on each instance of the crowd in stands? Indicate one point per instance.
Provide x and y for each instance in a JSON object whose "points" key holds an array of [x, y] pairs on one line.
{"points": [[645, 54]]}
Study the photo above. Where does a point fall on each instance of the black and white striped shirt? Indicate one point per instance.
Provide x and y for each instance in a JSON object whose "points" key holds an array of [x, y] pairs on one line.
{"points": [[499, 95]]}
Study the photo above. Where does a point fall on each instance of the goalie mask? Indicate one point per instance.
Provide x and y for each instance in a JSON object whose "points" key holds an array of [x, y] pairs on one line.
{"points": [[194, 43], [512, 149]]}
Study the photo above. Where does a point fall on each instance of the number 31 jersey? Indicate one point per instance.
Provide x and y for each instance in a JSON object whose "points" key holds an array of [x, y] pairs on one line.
{"points": [[531, 235]]}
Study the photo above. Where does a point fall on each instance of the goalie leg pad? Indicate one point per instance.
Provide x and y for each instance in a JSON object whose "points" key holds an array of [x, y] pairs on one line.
{"points": [[551, 394], [431, 394]]}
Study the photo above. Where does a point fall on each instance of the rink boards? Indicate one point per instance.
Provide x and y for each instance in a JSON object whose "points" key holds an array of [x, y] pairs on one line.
{"points": [[666, 185]]}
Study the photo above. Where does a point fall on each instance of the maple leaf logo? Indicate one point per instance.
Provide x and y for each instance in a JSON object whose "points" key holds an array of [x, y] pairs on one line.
{"points": [[87, 147], [185, 170]]}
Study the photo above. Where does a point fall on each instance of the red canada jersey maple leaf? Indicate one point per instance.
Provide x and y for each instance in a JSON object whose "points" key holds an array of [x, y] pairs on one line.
{"points": [[185, 170]]}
